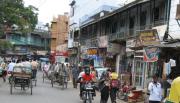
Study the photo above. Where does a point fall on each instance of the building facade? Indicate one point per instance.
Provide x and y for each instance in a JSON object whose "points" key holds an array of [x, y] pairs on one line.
{"points": [[59, 35], [135, 39], [34, 44], [81, 13]]}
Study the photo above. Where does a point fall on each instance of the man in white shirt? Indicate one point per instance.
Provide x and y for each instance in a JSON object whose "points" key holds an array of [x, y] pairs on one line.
{"points": [[11, 66], [155, 90]]}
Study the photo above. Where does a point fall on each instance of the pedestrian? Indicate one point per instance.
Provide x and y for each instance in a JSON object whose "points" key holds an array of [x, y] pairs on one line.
{"points": [[174, 96], [67, 68], [11, 66], [75, 73], [4, 71], [155, 90], [104, 84], [34, 65], [114, 85]]}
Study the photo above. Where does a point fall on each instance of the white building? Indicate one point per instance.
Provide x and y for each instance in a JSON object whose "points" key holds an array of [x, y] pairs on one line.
{"points": [[82, 10]]}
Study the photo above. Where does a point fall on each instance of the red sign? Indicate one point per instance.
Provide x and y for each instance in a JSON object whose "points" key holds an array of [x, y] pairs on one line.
{"points": [[151, 54], [61, 53], [57, 53]]}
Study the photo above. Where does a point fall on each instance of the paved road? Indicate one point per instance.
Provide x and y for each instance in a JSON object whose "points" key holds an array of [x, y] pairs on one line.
{"points": [[42, 93]]}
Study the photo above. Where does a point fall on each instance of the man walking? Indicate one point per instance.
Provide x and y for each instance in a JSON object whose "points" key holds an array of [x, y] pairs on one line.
{"points": [[155, 90], [75, 74]]}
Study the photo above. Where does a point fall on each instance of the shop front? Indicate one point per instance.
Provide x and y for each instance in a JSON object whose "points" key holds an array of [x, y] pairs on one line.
{"points": [[143, 58]]}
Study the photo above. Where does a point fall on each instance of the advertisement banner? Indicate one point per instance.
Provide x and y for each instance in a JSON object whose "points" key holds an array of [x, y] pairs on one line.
{"points": [[151, 54]]}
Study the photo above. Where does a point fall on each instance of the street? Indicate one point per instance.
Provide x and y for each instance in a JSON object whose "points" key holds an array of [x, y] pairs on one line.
{"points": [[42, 93]]}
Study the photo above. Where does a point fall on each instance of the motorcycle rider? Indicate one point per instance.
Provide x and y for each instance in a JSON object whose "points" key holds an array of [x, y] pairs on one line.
{"points": [[86, 77]]}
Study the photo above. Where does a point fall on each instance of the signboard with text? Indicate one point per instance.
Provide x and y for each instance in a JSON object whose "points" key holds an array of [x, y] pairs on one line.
{"points": [[92, 51], [149, 37]]}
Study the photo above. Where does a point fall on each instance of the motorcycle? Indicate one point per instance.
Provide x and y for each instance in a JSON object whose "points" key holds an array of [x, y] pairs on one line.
{"points": [[87, 94]]}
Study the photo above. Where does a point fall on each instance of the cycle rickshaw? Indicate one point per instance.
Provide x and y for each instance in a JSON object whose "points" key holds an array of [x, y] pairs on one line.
{"points": [[21, 78], [60, 77]]}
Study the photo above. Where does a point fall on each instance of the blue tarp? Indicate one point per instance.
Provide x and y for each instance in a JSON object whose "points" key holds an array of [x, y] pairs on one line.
{"points": [[44, 59]]}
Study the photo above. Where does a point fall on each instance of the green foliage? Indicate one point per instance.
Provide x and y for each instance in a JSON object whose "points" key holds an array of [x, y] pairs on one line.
{"points": [[5, 45], [13, 12]]}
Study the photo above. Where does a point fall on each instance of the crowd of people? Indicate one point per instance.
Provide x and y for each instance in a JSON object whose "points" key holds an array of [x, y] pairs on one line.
{"points": [[7, 66], [108, 84]]}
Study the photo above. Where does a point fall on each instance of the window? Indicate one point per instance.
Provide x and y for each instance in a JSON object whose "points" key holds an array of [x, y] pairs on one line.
{"points": [[156, 14], [139, 69], [122, 23], [143, 19], [131, 22], [114, 27]]}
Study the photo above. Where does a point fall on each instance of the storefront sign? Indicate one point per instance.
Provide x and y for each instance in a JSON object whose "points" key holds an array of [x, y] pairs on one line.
{"points": [[113, 48], [41, 52], [92, 51], [72, 51], [103, 41], [149, 37], [151, 54]]}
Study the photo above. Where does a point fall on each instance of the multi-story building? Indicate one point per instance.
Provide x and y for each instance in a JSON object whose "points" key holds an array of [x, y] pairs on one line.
{"points": [[59, 35], [136, 39], [34, 44], [82, 12]]}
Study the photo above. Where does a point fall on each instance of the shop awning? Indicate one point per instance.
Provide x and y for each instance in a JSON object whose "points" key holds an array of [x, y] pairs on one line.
{"points": [[163, 45]]}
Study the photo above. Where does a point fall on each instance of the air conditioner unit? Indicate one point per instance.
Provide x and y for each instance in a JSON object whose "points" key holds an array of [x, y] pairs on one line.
{"points": [[75, 44]]}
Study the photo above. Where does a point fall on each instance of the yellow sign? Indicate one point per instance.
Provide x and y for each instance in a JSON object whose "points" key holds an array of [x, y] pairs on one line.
{"points": [[149, 37], [92, 51]]}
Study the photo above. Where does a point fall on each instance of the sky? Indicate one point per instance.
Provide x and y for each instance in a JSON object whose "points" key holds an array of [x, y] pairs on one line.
{"points": [[49, 8]]}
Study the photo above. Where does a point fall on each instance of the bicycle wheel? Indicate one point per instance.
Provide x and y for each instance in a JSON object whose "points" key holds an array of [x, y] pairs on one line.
{"points": [[31, 86], [63, 82], [52, 82], [43, 76], [120, 95], [11, 86]]}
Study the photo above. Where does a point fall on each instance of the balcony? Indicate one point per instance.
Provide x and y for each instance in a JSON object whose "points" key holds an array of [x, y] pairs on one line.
{"points": [[89, 41], [117, 37]]}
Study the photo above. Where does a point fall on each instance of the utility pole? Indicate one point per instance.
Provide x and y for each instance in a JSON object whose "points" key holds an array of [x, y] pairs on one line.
{"points": [[79, 45], [46, 36]]}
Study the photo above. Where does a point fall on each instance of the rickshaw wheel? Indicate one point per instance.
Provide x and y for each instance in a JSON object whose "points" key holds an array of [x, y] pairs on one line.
{"points": [[52, 82], [43, 76], [35, 82], [11, 86], [31, 86], [63, 82]]}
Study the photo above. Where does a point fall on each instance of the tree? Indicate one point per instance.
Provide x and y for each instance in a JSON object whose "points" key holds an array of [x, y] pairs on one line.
{"points": [[15, 16], [4, 45]]}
